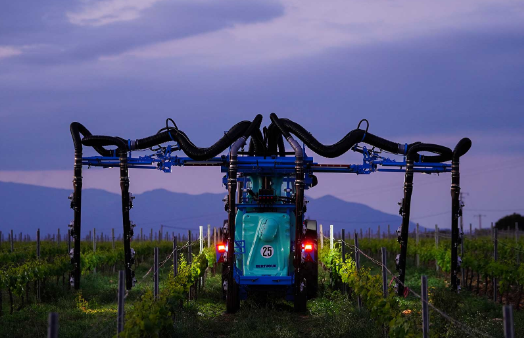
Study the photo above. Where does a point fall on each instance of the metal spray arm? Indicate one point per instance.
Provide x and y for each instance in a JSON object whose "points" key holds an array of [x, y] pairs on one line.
{"points": [[403, 232], [456, 210]]}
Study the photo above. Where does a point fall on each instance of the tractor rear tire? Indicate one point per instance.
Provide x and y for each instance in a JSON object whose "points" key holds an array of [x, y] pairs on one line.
{"points": [[310, 273], [300, 302], [310, 269], [224, 278], [232, 298]]}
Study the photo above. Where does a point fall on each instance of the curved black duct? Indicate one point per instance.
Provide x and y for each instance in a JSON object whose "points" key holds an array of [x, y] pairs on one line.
{"points": [[255, 125], [101, 141], [354, 137], [78, 129], [462, 148], [244, 128], [444, 153], [275, 142], [189, 148], [257, 146]]}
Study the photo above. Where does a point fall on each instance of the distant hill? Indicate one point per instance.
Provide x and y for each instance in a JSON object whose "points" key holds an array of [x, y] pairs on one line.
{"points": [[25, 208]]}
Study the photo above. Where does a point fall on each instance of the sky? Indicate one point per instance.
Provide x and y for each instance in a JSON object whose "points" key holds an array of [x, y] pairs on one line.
{"points": [[417, 70]]}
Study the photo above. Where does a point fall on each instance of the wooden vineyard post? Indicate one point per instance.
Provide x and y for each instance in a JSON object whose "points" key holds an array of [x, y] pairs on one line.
{"points": [[389, 232], [425, 310], [1, 238], [189, 250], [58, 237], [201, 238], [12, 241], [52, 325], [120, 313], [69, 253], [509, 331], [384, 273], [175, 257], [113, 237], [462, 270], [384, 282], [94, 246], [38, 258], [321, 238], [209, 235], [189, 258], [343, 256], [517, 242], [38, 243], [378, 232], [417, 242], [495, 258], [156, 273], [436, 245], [357, 262], [151, 236], [471, 230], [331, 237]]}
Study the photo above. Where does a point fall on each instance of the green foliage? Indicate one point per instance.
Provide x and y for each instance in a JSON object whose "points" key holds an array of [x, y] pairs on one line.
{"points": [[210, 254], [15, 277], [478, 256], [154, 317], [386, 311]]}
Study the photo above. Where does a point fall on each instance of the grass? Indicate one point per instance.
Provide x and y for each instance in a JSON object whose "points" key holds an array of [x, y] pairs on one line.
{"points": [[92, 312], [475, 311], [86, 313], [330, 315]]}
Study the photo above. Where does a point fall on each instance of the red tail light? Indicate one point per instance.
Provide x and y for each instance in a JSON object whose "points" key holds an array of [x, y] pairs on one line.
{"points": [[221, 248], [308, 247]]}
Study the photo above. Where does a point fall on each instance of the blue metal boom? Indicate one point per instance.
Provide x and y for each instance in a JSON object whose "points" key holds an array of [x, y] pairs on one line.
{"points": [[164, 160]]}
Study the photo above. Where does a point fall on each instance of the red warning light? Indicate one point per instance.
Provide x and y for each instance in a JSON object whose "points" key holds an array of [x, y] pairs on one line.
{"points": [[308, 247], [221, 248]]}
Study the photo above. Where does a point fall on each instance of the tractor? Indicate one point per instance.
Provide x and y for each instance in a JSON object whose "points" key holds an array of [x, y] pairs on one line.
{"points": [[269, 245]]}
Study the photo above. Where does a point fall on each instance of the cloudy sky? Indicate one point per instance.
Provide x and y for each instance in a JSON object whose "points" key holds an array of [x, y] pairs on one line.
{"points": [[417, 70]]}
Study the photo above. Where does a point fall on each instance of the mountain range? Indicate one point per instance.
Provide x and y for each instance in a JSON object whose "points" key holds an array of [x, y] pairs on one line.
{"points": [[25, 208]]}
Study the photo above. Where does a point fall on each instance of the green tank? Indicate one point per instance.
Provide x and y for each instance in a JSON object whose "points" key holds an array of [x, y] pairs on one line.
{"points": [[267, 238]]}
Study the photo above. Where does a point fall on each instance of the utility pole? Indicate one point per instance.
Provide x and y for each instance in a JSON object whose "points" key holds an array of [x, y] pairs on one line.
{"points": [[480, 220]]}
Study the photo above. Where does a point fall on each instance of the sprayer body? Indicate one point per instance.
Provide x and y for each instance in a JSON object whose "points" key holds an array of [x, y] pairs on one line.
{"points": [[265, 228], [265, 233], [266, 237]]}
